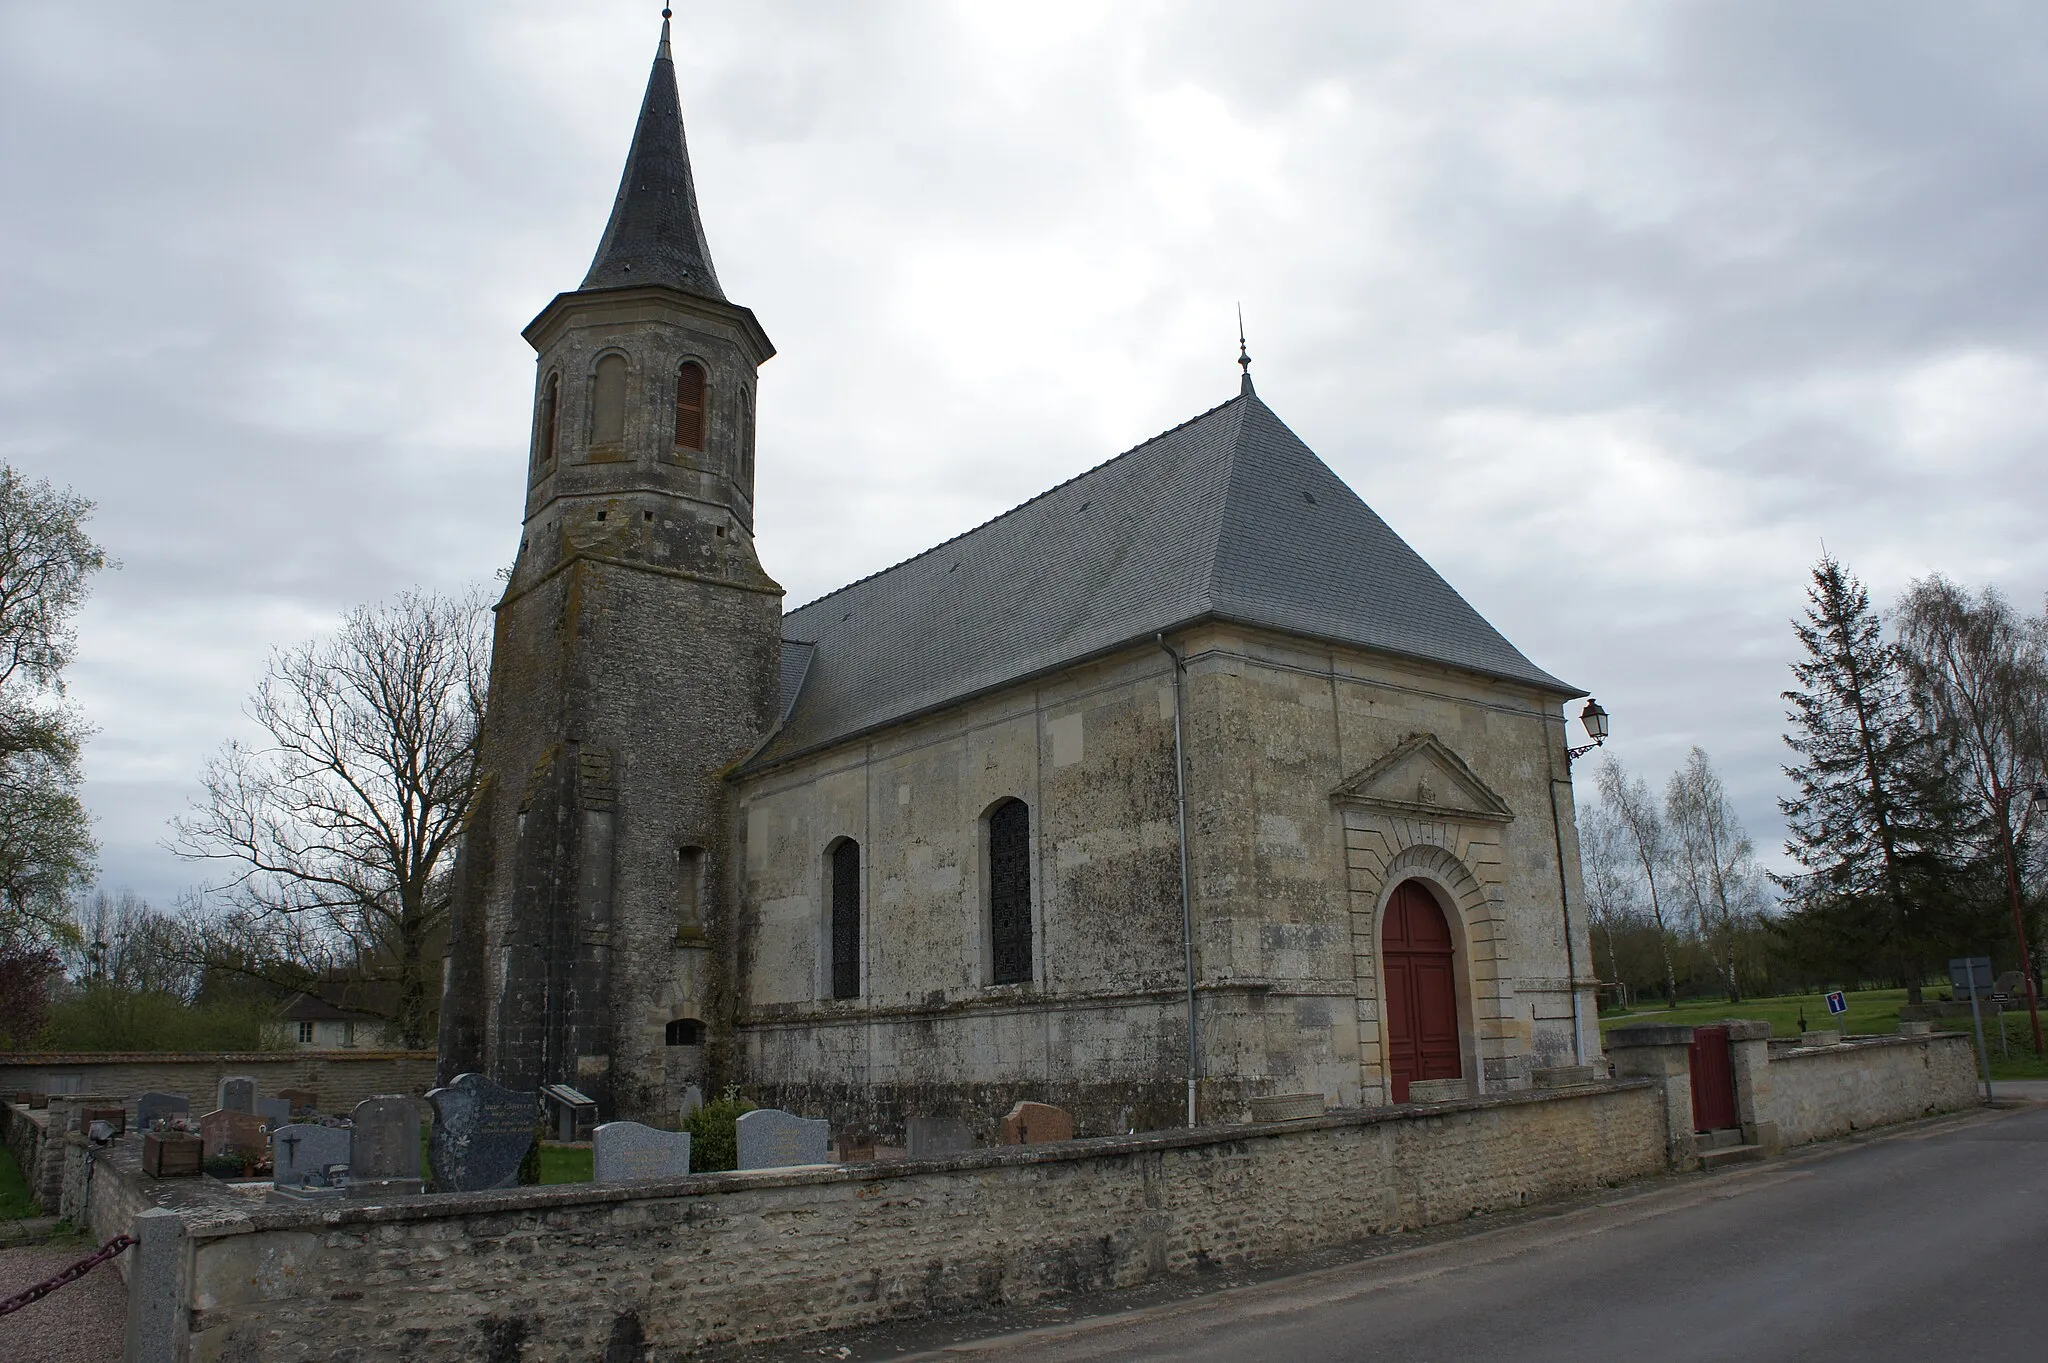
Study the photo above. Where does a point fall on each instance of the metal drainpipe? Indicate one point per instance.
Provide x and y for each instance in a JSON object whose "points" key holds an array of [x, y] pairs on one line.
{"points": [[1187, 918], [1564, 900]]}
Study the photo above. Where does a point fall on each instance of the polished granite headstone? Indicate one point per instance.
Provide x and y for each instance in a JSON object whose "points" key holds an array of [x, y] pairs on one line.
{"points": [[151, 1108], [771, 1139], [627, 1152], [236, 1093], [481, 1133], [384, 1147]]}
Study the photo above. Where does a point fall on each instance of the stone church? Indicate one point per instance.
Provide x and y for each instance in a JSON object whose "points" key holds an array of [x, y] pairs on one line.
{"points": [[1185, 782]]}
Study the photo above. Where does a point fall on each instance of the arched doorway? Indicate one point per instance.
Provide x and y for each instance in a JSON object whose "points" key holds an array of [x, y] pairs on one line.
{"points": [[1416, 954]]}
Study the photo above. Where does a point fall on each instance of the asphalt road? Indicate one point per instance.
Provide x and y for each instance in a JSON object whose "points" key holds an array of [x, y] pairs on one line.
{"points": [[1929, 1243]]}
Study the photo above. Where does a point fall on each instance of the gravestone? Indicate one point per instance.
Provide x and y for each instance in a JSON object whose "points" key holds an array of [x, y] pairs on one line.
{"points": [[302, 1154], [274, 1111], [223, 1130], [481, 1133], [1037, 1123], [384, 1147], [574, 1112], [772, 1139], [237, 1093], [627, 1152], [151, 1108], [302, 1100], [935, 1137]]}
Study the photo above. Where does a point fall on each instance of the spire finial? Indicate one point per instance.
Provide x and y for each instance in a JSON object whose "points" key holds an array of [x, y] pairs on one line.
{"points": [[666, 14], [1244, 358]]}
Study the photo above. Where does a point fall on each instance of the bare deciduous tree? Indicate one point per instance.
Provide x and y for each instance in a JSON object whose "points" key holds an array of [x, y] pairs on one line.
{"points": [[1714, 858], [337, 833], [46, 563], [1607, 860], [1636, 809], [1980, 670]]}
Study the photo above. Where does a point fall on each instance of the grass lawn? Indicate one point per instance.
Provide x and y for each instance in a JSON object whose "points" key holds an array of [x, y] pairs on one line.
{"points": [[1871, 1012], [566, 1163], [14, 1199]]}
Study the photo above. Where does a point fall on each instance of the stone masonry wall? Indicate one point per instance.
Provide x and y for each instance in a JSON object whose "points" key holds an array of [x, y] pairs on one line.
{"points": [[341, 1078], [1825, 1091], [568, 1273]]}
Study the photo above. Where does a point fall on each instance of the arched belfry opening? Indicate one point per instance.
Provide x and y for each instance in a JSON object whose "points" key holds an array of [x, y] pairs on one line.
{"points": [[690, 406]]}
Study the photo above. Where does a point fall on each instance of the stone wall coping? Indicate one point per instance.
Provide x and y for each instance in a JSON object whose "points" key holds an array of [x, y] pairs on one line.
{"points": [[1637, 1034], [26, 1058], [558, 1197], [1856, 1043]]}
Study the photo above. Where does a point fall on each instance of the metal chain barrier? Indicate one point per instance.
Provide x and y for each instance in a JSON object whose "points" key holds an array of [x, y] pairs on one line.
{"points": [[69, 1275]]}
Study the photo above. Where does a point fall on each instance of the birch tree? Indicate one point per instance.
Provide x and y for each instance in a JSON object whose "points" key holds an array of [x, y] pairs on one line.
{"points": [[1648, 839]]}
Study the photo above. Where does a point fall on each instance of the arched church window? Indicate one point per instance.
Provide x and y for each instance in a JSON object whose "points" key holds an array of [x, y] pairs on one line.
{"points": [[608, 402], [685, 1032], [690, 406], [549, 420], [845, 858], [1009, 892]]}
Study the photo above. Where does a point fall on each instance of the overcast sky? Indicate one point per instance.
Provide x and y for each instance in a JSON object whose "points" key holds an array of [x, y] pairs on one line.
{"points": [[1615, 311]]}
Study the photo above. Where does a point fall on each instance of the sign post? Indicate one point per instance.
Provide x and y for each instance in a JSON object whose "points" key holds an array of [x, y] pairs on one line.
{"points": [[1838, 1004], [1971, 978]]}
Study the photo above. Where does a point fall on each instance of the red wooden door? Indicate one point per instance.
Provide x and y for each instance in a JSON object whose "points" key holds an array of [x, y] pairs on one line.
{"points": [[1422, 999], [1713, 1080]]}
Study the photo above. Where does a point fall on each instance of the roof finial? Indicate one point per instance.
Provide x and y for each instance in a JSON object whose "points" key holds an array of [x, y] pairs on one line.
{"points": [[1244, 358], [663, 52]]}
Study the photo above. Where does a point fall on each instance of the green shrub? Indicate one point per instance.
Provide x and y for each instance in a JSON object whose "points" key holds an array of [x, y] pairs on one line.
{"points": [[714, 1138]]}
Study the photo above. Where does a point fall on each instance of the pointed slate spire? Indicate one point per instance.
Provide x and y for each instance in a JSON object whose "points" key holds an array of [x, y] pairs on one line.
{"points": [[655, 235]]}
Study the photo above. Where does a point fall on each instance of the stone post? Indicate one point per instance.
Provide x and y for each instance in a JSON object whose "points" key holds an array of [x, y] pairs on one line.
{"points": [[1660, 1051], [156, 1289], [1749, 1048]]}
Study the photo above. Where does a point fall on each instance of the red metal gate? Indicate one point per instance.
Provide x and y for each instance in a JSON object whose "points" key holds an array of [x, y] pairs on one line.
{"points": [[1713, 1080], [1416, 953]]}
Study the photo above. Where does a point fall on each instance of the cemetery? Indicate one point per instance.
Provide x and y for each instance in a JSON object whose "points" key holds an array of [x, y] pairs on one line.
{"points": [[268, 1223]]}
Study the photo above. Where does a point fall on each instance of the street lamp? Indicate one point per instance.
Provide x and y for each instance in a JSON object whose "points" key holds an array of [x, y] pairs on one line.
{"points": [[1595, 720]]}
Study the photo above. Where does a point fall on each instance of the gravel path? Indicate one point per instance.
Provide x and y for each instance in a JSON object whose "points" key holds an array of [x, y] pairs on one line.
{"points": [[79, 1323]]}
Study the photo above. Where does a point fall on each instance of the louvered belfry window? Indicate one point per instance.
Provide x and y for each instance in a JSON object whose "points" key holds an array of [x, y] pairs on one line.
{"points": [[846, 920], [690, 407], [1009, 891], [550, 418]]}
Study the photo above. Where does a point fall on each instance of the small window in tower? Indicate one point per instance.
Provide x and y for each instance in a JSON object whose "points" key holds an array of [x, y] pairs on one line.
{"points": [[690, 406], [689, 890], [548, 423], [608, 402], [844, 860], [686, 1032], [747, 441]]}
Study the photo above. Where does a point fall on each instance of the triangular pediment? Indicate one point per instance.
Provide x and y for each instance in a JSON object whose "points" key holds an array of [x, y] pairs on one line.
{"points": [[1422, 777]]}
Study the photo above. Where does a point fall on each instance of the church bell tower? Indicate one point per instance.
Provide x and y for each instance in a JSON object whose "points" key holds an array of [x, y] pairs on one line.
{"points": [[636, 657]]}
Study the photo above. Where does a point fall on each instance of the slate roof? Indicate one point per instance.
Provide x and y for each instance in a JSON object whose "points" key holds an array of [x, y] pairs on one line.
{"points": [[1229, 516], [655, 235]]}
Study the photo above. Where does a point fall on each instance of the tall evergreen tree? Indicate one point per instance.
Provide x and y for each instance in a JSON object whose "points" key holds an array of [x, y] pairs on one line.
{"points": [[1867, 823]]}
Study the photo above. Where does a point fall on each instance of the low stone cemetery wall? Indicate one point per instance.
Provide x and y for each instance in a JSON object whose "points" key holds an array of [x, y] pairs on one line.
{"points": [[340, 1078], [1815, 1094], [612, 1270]]}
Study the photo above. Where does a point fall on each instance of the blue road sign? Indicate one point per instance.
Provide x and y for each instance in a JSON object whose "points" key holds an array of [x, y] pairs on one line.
{"points": [[1838, 1003]]}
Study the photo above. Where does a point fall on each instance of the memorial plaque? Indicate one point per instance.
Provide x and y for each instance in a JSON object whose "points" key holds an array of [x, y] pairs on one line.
{"points": [[1037, 1123], [152, 1108], [302, 1100], [935, 1137], [384, 1146], [222, 1131], [237, 1093], [275, 1112], [627, 1152], [481, 1133], [773, 1139], [302, 1154]]}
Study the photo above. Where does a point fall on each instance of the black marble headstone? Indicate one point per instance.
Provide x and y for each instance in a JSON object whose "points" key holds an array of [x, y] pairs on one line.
{"points": [[481, 1133]]}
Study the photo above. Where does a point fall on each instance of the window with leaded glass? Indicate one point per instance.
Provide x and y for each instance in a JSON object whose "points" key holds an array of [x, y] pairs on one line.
{"points": [[846, 919], [1009, 892]]}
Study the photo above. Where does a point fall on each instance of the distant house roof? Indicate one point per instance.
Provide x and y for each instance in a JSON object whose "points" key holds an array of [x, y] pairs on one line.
{"points": [[1226, 517], [374, 1000]]}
